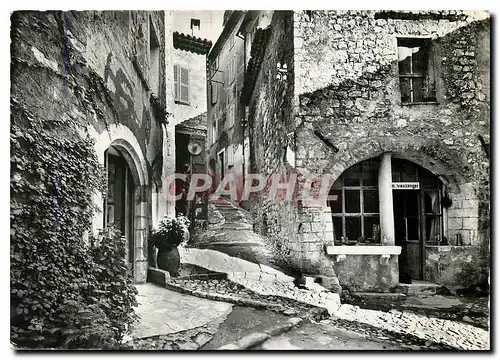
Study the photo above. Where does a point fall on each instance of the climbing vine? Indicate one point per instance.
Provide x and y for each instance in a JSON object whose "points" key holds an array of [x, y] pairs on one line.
{"points": [[64, 292]]}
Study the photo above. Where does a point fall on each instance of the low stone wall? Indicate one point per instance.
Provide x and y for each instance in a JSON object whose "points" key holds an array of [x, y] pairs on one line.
{"points": [[443, 263], [367, 273]]}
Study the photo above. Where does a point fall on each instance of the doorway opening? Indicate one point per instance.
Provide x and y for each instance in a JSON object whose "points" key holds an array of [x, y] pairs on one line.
{"points": [[407, 234], [222, 165], [119, 201]]}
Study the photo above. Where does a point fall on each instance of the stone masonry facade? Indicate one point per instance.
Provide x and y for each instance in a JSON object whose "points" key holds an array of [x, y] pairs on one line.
{"points": [[342, 102]]}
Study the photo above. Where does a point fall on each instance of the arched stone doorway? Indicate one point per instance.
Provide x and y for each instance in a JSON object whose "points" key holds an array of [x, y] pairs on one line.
{"points": [[119, 204], [121, 145], [360, 208]]}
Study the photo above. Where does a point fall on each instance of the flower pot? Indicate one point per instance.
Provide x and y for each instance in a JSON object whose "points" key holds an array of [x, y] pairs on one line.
{"points": [[169, 260]]}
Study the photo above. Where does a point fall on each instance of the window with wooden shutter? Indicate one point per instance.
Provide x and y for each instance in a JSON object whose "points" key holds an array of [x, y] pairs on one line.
{"points": [[230, 155], [184, 85], [176, 83], [231, 116], [213, 90], [181, 85]]}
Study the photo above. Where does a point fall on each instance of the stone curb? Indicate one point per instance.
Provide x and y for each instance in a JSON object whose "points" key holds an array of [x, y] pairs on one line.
{"points": [[257, 338], [221, 297], [209, 276]]}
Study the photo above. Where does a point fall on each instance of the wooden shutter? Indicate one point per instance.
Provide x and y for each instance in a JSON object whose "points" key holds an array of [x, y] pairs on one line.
{"points": [[213, 90], [231, 116], [176, 83], [234, 68], [184, 85], [230, 155]]}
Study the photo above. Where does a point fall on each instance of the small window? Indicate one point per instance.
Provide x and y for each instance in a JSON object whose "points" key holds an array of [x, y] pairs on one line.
{"points": [[214, 131], [416, 73], [195, 24], [231, 116], [230, 74], [181, 85]]}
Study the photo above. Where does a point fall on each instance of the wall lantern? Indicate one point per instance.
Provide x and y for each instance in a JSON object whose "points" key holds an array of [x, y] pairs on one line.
{"points": [[282, 72]]}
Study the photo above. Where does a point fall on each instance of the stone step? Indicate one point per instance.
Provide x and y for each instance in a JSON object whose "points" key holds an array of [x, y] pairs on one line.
{"points": [[418, 288], [393, 296]]}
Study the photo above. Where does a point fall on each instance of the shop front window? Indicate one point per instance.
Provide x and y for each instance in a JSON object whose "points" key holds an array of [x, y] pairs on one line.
{"points": [[354, 203], [353, 200]]}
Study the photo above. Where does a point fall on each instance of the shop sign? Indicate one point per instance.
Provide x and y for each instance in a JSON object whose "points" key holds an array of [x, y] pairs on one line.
{"points": [[406, 185]]}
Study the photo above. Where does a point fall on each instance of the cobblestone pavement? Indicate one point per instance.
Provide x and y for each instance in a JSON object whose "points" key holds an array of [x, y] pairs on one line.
{"points": [[328, 336], [449, 333], [469, 310], [412, 329]]}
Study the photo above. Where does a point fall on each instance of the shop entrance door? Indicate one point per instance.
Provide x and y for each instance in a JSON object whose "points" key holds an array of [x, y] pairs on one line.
{"points": [[407, 234]]}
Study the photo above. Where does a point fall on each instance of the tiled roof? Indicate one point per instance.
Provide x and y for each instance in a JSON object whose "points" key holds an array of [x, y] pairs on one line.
{"points": [[451, 15], [198, 122], [228, 30], [191, 43]]}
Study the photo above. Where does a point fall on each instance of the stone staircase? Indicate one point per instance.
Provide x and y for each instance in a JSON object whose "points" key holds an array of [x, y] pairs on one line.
{"points": [[230, 231]]}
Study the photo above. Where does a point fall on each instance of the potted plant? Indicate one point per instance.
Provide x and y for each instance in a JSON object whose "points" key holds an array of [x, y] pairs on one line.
{"points": [[170, 233]]}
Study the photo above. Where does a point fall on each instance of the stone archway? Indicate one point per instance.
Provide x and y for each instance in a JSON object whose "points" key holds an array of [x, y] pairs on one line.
{"points": [[436, 157], [123, 141]]}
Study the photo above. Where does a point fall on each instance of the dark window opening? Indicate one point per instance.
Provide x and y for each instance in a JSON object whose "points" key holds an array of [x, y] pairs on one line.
{"points": [[195, 24], [416, 70]]}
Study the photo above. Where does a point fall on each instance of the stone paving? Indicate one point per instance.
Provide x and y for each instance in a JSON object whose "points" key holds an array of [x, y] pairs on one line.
{"points": [[469, 310], [324, 336], [163, 311], [454, 334]]}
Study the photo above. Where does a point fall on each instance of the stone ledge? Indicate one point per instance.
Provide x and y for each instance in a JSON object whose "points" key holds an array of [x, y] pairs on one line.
{"points": [[158, 276], [362, 250]]}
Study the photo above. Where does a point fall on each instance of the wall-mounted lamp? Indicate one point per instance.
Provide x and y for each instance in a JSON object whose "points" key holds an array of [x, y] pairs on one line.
{"points": [[282, 72]]}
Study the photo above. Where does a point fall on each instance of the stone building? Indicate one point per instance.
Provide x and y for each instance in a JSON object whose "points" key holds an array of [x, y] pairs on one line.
{"points": [[104, 72], [392, 106], [191, 34]]}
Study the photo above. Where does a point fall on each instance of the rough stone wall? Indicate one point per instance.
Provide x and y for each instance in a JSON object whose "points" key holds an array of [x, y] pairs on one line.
{"points": [[443, 264], [348, 90], [366, 273], [270, 114], [93, 67]]}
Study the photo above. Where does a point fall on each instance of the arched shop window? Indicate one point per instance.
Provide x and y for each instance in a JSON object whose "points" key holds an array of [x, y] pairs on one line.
{"points": [[354, 203]]}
